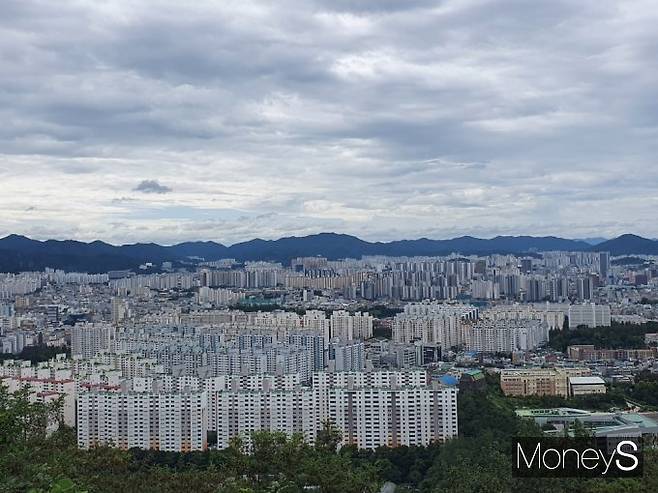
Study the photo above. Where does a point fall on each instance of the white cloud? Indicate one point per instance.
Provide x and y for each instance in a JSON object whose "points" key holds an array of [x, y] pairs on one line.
{"points": [[378, 118]]}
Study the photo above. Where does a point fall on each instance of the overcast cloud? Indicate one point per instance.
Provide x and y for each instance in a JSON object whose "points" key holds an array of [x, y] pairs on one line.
{"points": [[377, 118]]}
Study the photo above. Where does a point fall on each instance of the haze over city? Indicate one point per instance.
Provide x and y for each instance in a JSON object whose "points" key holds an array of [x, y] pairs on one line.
{"points": [[233, 120]]}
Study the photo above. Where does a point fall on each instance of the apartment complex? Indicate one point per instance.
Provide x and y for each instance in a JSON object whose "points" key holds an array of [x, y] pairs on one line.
{"points": [[503, 330], [505, 336], [387, 408], [552, 315], [432, 322], [370, 409]]}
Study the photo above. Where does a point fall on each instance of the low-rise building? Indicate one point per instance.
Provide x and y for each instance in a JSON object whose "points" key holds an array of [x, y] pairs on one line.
{"points": [[539, 381], [600, 424], [47, 390], [586, 386], [587, 352]]}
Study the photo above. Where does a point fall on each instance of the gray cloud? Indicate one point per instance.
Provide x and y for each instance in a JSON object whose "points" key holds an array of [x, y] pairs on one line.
{"points": [[383, 119], [151, 186]]}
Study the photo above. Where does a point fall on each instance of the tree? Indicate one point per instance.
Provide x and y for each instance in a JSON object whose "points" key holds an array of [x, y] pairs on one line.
{"points": [[328, 437]]}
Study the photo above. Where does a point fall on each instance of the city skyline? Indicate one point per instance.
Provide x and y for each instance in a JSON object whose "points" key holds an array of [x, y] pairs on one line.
{"points": [[231, 121]]}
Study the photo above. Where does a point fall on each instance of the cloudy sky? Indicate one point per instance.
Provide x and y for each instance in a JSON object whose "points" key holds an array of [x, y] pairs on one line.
{"points": [[228, 120]]}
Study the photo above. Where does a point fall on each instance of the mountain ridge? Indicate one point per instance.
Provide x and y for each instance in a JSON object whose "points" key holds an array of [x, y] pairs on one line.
{"points": [[628, 244], [22, 253]]}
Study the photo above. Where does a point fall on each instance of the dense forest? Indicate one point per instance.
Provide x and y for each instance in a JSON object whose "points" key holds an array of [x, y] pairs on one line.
{"points": [[617, 336], [478, 461], [37, 354]]}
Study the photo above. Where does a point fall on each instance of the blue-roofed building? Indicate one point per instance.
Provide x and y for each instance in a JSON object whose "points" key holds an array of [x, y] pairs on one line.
{"points": [[449, 380]]}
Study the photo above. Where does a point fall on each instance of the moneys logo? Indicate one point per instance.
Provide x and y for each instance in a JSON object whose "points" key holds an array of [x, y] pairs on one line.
{"points": [[618, 457]]}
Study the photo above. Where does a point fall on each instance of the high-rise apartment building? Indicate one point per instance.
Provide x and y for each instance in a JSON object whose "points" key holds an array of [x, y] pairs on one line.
{"points": [[584, 288], [506, 336], [604, 266], [348, 327], [167, 421], [370, 409], [89, 340], [590, 315]]}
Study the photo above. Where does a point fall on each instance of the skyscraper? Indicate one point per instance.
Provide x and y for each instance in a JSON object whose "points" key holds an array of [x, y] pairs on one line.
{"points": [[604, 266]]}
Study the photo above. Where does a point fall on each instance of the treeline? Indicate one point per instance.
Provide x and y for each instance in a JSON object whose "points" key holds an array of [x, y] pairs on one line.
{"points": [[381, 311], [480, 460], [37, 354], [645, 389], [617, 336]]}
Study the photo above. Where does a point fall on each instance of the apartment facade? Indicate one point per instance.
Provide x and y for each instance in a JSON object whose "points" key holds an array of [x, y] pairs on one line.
{"points": [[90, 340], [370, 409], [590, 315], [167, 421]]}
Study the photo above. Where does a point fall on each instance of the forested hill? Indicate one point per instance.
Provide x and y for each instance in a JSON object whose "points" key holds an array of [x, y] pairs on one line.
{"points": [[19, 253]]}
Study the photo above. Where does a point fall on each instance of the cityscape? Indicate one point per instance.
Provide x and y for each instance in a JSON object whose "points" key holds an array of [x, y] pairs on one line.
{"points": [[203, 355], [328, 246]]}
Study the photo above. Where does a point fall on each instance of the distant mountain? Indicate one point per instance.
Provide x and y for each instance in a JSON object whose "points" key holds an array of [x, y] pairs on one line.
{"points": [[628, 244], [16, 261], [19, 253], [330, 245], [201, 249], [594, 241], [139, 251]]}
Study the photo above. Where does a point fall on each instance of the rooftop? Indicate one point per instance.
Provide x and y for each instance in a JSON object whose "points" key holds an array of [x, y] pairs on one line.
{"points": [[586, 381]]}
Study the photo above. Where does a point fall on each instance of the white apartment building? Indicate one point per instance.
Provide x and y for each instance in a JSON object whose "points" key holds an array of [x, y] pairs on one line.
{"points": [[89, 340], [389, 408], [445, 330], [552, 315], [506, 336], [589, 314], [370, 409], [374, 417], [485, 289], [348, 327], [119, 310], [238, 413], [167, 421], [218, 296], [424, 308], [347, 355]]}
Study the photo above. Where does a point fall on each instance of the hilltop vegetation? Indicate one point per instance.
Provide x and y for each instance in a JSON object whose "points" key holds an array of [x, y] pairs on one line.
{"points": [[478, 461], [617, 336]]}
